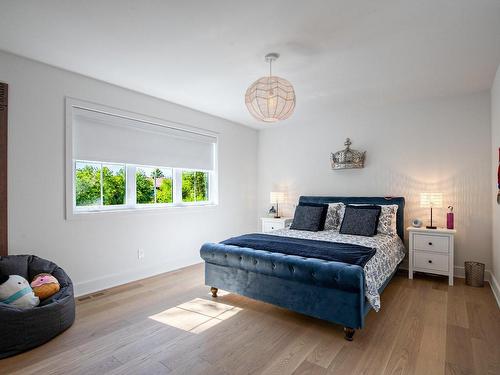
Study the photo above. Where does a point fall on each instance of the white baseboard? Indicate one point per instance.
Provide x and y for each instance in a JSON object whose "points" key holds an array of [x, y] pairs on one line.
{"points": [[116, 279], [495, 287], [459, 271]]}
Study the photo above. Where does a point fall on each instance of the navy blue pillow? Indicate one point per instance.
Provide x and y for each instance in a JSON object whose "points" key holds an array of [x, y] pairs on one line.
{"points": [[360, 220], [307, 218], [323, 216]]}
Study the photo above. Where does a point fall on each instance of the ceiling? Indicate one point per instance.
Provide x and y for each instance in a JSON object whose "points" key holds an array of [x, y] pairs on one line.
{"points": [[204, 54]]}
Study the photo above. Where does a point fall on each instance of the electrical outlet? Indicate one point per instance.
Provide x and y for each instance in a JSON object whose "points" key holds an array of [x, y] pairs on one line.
{"points": [[140, 254]]}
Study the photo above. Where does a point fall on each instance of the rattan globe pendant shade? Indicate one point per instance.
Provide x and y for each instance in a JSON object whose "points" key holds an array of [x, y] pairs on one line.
{"points": [[270, 98]]}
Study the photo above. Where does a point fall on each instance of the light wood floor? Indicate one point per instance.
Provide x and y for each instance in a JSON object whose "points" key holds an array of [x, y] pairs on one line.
{"points": [[424, 327]]}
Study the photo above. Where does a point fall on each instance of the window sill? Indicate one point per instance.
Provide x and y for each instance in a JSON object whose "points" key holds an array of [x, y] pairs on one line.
{"points": [[76, 215]]}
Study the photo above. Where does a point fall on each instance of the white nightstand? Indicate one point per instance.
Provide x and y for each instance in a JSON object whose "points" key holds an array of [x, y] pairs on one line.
{"points": [[272, 223], [431, 251]]}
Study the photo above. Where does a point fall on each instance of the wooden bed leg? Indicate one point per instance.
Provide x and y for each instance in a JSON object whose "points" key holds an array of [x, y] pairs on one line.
{"points": [[214, 291], [348, 333]]}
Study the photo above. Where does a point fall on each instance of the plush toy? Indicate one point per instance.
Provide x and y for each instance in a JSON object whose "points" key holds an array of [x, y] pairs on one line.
{"points": [[16, 291], [45, 285]]}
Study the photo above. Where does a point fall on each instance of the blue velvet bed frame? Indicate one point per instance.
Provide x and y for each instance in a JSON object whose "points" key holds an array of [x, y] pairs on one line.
{"points": [[327, 290]]}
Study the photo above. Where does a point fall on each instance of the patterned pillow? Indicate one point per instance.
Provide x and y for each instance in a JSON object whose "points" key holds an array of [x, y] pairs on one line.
{"points": [[387, 220], [334, 216]]}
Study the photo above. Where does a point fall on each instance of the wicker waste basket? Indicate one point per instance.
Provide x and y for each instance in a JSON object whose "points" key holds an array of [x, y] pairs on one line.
{"points": [[474, 273]]}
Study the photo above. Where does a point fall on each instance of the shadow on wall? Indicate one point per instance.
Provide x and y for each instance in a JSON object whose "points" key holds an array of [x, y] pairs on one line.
{"points": [[463, 191]]}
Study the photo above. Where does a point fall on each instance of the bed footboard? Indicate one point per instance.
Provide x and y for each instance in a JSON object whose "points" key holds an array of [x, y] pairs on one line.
{"points": [[326, 290]]}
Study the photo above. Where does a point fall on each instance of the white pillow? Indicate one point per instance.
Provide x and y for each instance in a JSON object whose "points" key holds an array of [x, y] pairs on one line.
{"points": [[334, 216]]}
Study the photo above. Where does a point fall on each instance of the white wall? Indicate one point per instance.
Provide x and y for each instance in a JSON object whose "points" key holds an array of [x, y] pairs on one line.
{"points": [[101, 251], [495, 143], [440, 144]]}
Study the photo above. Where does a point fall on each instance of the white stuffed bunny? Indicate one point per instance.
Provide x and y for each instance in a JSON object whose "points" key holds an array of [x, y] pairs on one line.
{"points": [[16, 291]]}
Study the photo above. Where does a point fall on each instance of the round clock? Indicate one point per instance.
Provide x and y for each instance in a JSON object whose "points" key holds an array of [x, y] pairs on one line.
{"points": [[417, 223]]}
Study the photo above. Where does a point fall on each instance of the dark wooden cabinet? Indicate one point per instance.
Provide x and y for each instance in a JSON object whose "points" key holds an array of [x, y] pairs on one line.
{"points": [[3, 167]]}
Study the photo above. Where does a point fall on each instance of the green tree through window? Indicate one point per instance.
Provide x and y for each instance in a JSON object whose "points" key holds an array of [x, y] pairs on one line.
{"points": [[154, 185], [88, 190], [194, 186], [88, 184], [105, 184], [113, 185]]}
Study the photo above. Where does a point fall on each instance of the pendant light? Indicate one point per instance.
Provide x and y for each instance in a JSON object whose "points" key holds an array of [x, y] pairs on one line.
{"points": [[270, 98]]}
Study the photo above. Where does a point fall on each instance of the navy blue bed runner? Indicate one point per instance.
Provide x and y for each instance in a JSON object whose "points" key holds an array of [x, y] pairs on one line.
{"points": [[334, 251]]}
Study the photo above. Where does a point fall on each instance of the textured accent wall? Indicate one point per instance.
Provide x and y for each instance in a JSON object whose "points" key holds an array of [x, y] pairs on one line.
{"points": [[432, 144]]}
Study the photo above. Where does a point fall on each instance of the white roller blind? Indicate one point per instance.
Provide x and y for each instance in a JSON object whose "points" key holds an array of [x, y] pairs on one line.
{"points": [[103, 137]]}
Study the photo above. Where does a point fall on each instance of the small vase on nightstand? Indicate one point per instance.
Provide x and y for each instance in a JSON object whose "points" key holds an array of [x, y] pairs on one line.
{"points": [[450, 218]]}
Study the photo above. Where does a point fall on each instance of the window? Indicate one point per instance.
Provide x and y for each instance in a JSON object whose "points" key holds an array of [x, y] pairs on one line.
{"points": [[113, 185], [99, 184], [118, 160], [153, 185], [104, 186], [88, 184], [195, 186]]}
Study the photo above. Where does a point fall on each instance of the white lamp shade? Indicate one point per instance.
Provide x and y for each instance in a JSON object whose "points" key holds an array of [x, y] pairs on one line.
{"points": [[270, 99], [431, 200], [277, 197]]}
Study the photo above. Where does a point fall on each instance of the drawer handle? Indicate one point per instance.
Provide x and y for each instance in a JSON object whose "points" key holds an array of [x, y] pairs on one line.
{"points": [[430, 243], [430, 261]]}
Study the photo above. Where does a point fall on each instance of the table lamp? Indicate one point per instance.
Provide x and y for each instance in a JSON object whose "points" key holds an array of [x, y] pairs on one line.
{"points": [[277, 197], [431, 200]]}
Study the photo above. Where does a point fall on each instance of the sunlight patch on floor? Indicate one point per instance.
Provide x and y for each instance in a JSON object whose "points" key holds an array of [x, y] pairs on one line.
{"points": [[197, 315]]}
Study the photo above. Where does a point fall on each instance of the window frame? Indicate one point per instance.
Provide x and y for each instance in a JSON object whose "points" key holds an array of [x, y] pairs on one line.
{"points": [[131, 189], [101, 206], [195, 203], [130, 206], [153, 205]]}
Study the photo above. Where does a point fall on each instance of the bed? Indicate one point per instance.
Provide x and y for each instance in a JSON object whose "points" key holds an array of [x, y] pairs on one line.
{"points": [[334, 291]]}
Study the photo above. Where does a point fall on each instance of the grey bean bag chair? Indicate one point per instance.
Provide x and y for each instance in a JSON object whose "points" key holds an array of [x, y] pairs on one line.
{"points": [[23, 329]]}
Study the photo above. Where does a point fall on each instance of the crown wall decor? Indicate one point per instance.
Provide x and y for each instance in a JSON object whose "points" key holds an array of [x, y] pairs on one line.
{"points": [[347, 158]]}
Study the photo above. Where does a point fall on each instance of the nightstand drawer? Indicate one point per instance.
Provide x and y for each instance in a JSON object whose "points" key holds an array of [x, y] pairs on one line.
{"points": [[430, 261], [429, 242], [269, 226]]}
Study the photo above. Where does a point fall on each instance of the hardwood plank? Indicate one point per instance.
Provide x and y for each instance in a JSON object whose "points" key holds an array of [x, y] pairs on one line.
{"points": [[144, 367], [486, 357], [406, 347], [345, 361], [421, 329], [459, 355], [308, 368], [326, 350], [432, 351], [292, 355], [379, 345], [454, 369], [457, 311]]}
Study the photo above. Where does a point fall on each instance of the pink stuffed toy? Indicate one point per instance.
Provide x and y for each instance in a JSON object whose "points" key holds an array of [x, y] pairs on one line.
{"points": [[45, 285]]}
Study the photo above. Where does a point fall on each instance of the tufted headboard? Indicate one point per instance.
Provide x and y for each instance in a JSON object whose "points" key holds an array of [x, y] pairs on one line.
{"points": [[400, 201]]}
